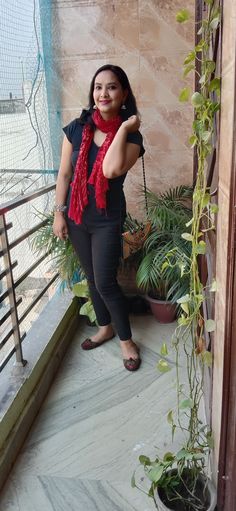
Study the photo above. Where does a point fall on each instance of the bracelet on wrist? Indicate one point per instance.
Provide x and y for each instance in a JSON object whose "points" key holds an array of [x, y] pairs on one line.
{"points": [[59, 207]]}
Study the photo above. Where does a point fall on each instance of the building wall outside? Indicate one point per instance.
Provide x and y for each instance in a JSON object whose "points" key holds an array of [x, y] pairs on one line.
{"points": [[143, 37]]}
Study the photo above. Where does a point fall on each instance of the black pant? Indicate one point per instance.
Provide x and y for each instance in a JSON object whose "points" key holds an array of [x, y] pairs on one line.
{"points": [[98, 246]]}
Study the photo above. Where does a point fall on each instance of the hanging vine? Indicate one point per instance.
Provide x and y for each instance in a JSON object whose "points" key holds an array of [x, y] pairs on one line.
{"points": [[189, 336]]}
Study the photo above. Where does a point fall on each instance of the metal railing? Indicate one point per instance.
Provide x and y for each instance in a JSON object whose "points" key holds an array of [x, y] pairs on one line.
{"points": [[11, 320]]}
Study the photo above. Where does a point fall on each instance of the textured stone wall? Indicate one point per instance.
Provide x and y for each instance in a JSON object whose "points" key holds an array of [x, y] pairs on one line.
{"points": [[143, 37]]}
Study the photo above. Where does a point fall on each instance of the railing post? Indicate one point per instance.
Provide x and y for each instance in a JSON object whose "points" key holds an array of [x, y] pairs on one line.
{"points": [[11, 291]]}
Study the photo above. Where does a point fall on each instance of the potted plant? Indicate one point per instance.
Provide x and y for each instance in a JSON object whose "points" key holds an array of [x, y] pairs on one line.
{"points": [[179, 481], [168, 213]]}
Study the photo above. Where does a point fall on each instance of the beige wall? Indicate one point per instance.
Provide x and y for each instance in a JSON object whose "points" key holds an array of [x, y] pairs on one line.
{"points": [[228, 99], [143, 37]]}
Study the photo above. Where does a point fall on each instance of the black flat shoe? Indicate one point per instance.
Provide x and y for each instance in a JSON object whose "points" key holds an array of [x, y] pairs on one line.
{"points": [[88, 344], [132, 364]]}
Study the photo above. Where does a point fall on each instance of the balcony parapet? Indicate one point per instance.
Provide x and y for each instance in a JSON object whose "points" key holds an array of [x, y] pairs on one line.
{"points": [[23, 389]]}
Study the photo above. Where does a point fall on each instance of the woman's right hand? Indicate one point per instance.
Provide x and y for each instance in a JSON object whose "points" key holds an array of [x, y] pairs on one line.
{"points": [[60, 226], [132, 124]]}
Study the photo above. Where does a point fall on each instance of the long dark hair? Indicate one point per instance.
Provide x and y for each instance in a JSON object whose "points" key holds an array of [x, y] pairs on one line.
{"points": [[130, 102]]}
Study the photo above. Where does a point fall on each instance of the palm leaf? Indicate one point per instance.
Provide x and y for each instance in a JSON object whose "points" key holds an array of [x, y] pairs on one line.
{"points": [[169, 209], [64, 258], [168, 212]]}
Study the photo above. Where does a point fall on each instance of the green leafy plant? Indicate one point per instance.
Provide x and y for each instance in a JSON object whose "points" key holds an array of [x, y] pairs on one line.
{"points": [[63, 256], [81, 290], [180, 478], [65, 261], [168, 213]]}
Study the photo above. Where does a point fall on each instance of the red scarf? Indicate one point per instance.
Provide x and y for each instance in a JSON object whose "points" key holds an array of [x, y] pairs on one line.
{"points": [[79, 194]]}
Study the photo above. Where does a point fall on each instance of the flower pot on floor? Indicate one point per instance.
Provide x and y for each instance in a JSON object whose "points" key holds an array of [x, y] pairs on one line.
{"points": [[205, 492], [164, 311]]}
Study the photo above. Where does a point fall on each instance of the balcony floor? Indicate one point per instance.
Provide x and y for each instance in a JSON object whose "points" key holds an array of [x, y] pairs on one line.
{"points": [[95, 422]]}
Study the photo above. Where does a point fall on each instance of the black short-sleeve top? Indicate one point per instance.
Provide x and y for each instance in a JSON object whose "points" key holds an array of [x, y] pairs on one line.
{"points": [[115, 194]]}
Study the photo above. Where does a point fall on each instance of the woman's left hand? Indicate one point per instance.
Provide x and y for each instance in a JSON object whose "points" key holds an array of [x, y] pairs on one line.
{"points": [[132, 124]]}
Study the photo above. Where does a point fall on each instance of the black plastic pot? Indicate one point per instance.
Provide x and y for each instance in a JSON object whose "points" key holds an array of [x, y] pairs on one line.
{"points": [[205, 486]]}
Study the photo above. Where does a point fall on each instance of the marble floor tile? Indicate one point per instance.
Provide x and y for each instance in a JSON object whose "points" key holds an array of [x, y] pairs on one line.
{"points": [[95, 422]]}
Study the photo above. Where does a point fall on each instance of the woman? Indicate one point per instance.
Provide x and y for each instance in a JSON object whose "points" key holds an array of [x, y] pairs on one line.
{"points": [[98, 150]]}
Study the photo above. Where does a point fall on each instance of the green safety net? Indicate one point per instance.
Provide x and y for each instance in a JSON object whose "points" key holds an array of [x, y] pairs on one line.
{"points": [[30, 123]]}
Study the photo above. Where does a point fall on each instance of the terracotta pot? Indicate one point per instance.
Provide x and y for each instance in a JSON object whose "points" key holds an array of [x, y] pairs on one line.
{"points": [[210, 493], [163, 311]]}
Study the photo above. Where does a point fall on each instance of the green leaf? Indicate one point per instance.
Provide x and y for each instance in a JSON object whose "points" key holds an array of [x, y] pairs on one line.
{"points": [[164, 266], [211, 66], [206, 198], [190, 222], [184, 94], [199, 297], [163, 366], [184, 299], [215, 22], [81, 289], [197, 100], [210, 325], [186, 403], [188, 69], [200, 45], [213, 287], [202, 79], [88, 310], [210, 440], [206, 135], [133, 484], [181, 454], [169, 456], [201, 247], [182, 321], [214, 208], [187, 236], [190, 57], [144, 460], [207, 358], [215, 107], [170, 419], [214, 85], [193, 141], [155, 474], [173, 431], [182, 16], [151, 492], [164, 350], [185, 308], [85, 309]]}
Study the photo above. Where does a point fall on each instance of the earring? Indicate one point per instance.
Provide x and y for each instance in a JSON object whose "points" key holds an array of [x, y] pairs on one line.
{"points": [[95, 107], [123, 107]]}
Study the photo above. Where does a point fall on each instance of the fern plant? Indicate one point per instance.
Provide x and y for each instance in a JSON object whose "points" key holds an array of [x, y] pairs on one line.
{"points": [[168, 212], [63, 256]]}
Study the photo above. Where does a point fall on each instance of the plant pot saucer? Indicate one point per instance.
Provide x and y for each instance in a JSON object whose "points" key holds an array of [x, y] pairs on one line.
{"points": [[164, 311]]}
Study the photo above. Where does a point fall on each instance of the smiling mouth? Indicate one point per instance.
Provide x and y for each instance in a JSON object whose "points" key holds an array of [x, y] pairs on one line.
{"points": [[105, 101]]}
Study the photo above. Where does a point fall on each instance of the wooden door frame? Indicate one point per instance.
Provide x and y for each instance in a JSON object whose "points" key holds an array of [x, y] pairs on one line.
{"points": [[227, 455]]}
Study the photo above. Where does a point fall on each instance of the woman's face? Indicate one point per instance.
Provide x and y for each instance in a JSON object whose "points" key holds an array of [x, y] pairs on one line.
{"points": [[108, 94]]}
